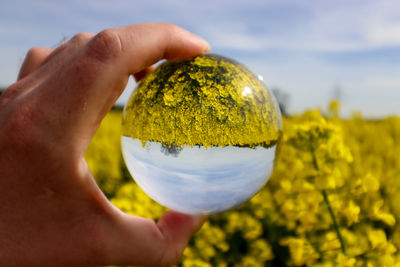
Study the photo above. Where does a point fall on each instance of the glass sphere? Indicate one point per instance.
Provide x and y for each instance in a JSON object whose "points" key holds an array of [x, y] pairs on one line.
{"points": [[199, 136]]}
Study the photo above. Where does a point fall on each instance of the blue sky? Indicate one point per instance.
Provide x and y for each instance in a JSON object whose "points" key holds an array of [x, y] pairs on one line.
{"points": [[306, 48]]}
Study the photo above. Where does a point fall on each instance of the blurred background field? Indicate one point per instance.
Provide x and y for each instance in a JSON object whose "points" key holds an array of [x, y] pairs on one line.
{"points": [[332, 199]]}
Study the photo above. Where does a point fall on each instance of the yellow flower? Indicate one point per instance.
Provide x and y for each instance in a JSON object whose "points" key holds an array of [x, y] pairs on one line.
{"points": [[328, 179], [378, 240], [205, 250], [195, 263], [289, 208], [104, 154], [330, 244], [301, 252], [351, 213], [356, 241], [344, 261], [280, 196], [370, 183], [248, 261], [188, 253], [378, 214], [356, 163], [261, 250], [387, 261], [252, 227], [334, 107], [234, 222]]}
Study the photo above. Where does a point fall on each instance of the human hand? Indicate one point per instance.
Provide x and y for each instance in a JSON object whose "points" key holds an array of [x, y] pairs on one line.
{"points": [[52, 213]]}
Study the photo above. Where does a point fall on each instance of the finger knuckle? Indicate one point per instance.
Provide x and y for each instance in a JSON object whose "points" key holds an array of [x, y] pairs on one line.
{"points": [[9, 94], [105, 45], [82, 37], [21, 128], [172, 29], [33, 53], [16, 127], [169, 26]]}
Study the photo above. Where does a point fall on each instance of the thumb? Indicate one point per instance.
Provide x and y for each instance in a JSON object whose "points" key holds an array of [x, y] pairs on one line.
{"points": [[132, 240]]}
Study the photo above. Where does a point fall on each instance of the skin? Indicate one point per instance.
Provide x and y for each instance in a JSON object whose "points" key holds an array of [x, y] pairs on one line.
{"points": [[52, 213]]}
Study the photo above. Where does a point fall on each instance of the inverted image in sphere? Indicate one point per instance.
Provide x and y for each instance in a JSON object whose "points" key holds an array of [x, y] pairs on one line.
{"points": [[199, 136]]}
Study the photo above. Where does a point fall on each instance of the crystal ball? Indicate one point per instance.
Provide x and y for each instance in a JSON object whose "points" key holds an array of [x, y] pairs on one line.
{"points": [[199, 136]]}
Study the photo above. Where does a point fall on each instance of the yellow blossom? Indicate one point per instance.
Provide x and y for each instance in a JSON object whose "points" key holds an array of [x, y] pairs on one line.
{"points": [[261, 250], [300, 250], [351, 212], [370, 183], [354, 162], [379, 214], [344, 261]]}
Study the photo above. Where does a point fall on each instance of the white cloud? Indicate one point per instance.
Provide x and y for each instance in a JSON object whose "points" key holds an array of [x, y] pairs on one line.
{"points": [[243, 25], [332, 27]]}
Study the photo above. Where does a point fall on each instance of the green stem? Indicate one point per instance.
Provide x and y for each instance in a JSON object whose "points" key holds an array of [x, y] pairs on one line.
{"points": [[335, 222], [330, 209]]}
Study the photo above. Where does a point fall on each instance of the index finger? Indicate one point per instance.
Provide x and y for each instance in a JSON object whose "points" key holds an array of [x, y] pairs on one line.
{"points": [[85, 87]]}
